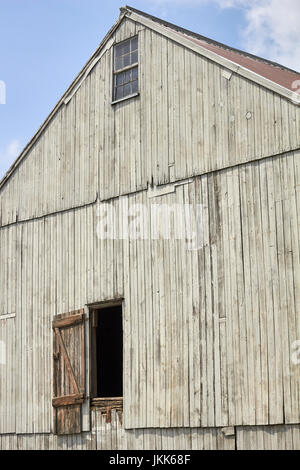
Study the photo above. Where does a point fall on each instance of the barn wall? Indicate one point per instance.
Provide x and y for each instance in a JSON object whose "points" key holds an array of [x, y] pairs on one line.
{"points": [[10, 261], [8, 368], [112, 436], [208, 328], [188, 120]]}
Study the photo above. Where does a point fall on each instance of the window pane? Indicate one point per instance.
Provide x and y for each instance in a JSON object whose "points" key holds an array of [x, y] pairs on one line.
{"points": [[127, 89], [126, 60], [125, 47], [118, 63], [134, 44], [134, 57], [134, 86], [120, 79], [119, 93], [122, 49], [118, 51], [127, 77], [134, 73]]}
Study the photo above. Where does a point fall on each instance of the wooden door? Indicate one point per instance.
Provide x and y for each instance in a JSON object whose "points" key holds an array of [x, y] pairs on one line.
{"points": [[68, 371]]}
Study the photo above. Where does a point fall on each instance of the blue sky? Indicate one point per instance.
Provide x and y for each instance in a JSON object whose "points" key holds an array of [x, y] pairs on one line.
{"points": [[45, 43]]}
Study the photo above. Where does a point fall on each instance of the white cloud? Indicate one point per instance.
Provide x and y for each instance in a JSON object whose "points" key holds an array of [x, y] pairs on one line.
{"points": [[272, 26], [8, 155], [273, 31]]}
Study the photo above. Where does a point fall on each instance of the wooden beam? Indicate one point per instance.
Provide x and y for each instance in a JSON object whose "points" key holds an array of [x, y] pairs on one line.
{"points": [[68, 400], [105, 402], [69, 321]]}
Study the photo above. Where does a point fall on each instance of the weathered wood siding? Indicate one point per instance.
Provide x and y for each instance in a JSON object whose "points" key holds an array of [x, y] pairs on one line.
{"points": [[268, 438], [188, 120], [8, 368], [208, 332], [113, 436]]}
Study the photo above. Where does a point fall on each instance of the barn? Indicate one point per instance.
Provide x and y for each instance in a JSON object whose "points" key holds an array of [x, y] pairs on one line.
{"points": [[150, 255]]}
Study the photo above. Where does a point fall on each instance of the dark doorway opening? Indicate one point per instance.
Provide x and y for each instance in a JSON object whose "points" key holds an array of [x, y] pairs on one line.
{"points": [[107, 336]]}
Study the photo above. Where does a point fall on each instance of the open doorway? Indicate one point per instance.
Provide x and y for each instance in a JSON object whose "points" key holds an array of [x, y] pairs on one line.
{"points": [[107, 352]]}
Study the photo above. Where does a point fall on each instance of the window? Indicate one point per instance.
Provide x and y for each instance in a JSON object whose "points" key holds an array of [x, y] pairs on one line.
{"points": [[126, 69], [107, 352]]}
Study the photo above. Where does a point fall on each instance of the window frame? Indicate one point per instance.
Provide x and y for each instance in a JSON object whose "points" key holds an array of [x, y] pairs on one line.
{"points": [[117, 72]]}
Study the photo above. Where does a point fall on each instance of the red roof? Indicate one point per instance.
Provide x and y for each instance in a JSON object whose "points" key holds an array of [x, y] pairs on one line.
{"points": [[280, 75]]}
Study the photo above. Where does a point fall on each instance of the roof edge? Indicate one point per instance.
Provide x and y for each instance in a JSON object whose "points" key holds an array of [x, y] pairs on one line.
{"points": [[204, 38], [60, 102]]}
